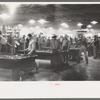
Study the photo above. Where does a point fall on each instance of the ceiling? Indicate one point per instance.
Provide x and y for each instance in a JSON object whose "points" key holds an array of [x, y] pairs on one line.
{"points": [[54, 13]]}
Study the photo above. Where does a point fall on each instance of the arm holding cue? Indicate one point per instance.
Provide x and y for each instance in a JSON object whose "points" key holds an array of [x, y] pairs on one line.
{"points": [[33, 47], [9, 44], [77, 44], [24, 46]]}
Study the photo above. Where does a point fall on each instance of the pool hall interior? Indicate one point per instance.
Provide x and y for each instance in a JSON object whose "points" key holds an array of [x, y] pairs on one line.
{"points": [[49, 42]]}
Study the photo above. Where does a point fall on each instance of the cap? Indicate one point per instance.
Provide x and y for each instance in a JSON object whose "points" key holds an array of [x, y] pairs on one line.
{"points": [[54, 36]]}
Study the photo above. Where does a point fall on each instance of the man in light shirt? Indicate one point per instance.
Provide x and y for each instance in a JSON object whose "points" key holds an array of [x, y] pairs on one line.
{"points": [[3, 41], [65, 47], [32, 45], [82, 44]]}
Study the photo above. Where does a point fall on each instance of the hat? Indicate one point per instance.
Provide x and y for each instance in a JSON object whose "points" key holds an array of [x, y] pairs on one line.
{"points": [[54, 36], [30, 35]]}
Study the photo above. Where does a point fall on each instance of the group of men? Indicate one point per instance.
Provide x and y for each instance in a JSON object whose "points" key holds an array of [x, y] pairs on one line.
{"points": [[55, 44]]}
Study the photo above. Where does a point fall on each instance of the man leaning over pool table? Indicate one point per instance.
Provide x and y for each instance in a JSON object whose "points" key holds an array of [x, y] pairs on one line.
{"points": [[32, 45]]}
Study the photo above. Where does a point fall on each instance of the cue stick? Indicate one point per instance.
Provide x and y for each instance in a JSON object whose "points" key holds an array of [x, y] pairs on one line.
{"points": [[24, 46], [9, 44], [62, 56], [12, 45]]}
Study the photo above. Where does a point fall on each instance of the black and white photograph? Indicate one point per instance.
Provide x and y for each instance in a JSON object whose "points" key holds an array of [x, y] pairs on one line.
{"points": [[49, 42]]}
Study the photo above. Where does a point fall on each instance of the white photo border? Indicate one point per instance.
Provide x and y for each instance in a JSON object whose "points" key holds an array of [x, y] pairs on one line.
{"points": [[42, 89]]}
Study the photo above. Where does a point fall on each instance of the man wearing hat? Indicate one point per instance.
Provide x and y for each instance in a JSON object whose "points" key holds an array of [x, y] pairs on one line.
{"points": [[55, 44], [56, 59], [82, 44]]}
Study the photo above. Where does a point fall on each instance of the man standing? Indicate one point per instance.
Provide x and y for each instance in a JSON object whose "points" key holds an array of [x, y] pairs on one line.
{"points": [[41, 41], [82, 44], [65, 47], [56, 58], [3, 41], [32, 45], [55, 44], [95, 47]]}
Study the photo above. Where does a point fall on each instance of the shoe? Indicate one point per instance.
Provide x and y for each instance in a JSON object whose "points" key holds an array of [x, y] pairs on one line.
{"points": [[86, 62]]}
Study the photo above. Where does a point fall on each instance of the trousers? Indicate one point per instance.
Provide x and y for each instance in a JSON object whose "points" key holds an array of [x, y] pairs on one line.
{"points": [[95, 51], [83, 49]]}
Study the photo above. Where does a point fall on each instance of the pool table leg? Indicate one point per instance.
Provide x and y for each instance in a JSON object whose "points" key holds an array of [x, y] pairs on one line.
{"points": [[15, 74], [19, 73]]}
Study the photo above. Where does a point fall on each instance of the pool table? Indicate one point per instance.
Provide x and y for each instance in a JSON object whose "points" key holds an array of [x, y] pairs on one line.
{"points": [[73, 54], [19, 65]]}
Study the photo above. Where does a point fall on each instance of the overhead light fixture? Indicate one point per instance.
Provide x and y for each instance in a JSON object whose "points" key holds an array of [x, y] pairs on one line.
{"points": [[42, 21], [20, 26], [92, 29], [79, 24], [50, 28], [89, 26], [12, 7], [32, 21], [4, 16], [64, 24], [37, 27], [94, 22]]}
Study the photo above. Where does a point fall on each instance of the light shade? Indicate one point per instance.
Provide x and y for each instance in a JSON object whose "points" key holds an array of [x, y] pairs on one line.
{"points": [[92, 30], [50, 28], [64, 24], [94, 22], [42, 21], [79, 24], [89, 26], [4, 16], [20, 26], [32, 21]]}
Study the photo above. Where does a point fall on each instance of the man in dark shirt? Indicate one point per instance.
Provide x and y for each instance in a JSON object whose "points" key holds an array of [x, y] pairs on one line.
{"points": [[56, 58], [95, 47], [55, 43]]}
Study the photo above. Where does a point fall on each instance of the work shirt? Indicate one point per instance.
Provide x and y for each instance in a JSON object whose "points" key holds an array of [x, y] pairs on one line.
{"points": [[3, 41], [41, 40], [61, 39], [65, 43], [32, 45], [82, 42], [89, 41], [96, 42], [55, 44]]}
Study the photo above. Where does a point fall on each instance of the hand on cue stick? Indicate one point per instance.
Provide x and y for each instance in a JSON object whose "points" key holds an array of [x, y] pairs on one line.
{"points": [[9, 44]]}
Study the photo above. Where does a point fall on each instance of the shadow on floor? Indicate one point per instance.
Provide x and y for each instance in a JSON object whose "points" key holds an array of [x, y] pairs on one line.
{"points": [[74, 72]]}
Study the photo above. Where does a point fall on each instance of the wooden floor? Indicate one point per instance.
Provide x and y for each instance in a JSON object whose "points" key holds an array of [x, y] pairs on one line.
{"points": [[76, 72]]}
